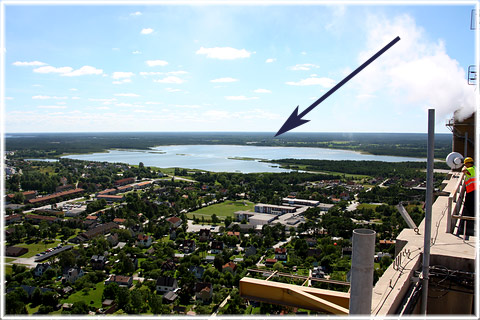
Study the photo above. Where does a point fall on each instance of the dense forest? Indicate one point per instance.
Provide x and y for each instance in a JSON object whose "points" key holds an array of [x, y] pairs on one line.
{"points": [[369, 168], [49, 145]]}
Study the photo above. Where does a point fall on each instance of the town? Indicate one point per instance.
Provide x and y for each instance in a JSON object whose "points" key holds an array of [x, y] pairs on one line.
{"points": [[102, 238]]}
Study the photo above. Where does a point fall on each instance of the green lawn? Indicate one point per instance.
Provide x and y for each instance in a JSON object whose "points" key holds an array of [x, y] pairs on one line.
{"points": [[94, 295], [8, 269], [34, 248], [222, 210], [367, 206], [7, 260]]}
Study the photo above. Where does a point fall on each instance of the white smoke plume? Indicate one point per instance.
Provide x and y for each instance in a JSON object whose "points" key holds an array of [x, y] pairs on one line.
{"points": [[416, 71]]}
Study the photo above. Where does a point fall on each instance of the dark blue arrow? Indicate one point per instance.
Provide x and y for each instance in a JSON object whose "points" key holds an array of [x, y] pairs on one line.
{"points": [[296, 120]]}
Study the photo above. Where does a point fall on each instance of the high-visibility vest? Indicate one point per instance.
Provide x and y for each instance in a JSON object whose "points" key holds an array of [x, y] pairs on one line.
{"points": [[470, 179]]}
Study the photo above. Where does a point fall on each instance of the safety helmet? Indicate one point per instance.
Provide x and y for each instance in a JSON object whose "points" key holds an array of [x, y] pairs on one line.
{"points": [[467, 160]]}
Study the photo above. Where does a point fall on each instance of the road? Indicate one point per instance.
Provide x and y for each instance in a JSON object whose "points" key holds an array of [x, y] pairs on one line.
{"points": [[224, 302]]}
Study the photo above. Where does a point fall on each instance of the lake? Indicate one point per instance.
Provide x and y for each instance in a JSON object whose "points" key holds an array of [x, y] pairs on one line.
{"points": [[218, 158]]}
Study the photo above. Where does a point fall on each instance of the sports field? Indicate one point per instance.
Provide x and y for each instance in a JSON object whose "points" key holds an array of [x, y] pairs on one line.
{"points": [[222, 210]]}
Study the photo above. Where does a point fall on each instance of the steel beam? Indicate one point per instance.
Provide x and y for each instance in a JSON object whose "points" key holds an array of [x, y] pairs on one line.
{"points": [[328, 301]]}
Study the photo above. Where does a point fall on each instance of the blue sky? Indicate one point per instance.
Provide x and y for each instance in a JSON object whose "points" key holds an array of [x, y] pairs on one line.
{"points": [[71, 68]]}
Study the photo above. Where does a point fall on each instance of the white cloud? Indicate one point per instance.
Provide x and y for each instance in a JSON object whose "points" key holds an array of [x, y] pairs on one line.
{"points": [[83, 71], [365, 96], [270, 60], [324, 82], [106, 101], [303, 53], [262, 91], [9, 98], [52, 107], [136, 14], [28, 63], [50, 69], [156, 63], [156, 73], [170, 79], [146, 31], [126, 95], [303, 67], [172, 90], [120, 75], [136, 52], [153, 102], [416, 71], [75, 98], [40, 97], [73, 89], [221, 80], [188, 106], [122, 81], [103, 108], [240, 98], [224, 53]]}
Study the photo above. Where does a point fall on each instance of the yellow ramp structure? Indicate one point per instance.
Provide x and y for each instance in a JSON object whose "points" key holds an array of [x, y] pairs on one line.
{"points": [[328, 301]]}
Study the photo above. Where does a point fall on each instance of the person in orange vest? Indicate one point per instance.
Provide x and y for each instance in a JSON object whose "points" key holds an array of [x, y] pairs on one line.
{"points": [[470, 186]]}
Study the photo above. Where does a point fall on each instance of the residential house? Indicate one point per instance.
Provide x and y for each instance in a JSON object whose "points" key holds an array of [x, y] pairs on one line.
{"points": [[204, 235], [311, 242], [12, 219], [250, 251], [203, 291], [144, 240], [197, 271], [175, 222], [170, 297], [40, 269], [270, 262], [122, 281], [209, 259], [229, 267], [72, 274], [119, 220], [234, 234], [216, 246], [113, 239], [168, 265], [165, 284], [281, 254], [98, 262], [188, 246], [314, 252], [124, 181]]}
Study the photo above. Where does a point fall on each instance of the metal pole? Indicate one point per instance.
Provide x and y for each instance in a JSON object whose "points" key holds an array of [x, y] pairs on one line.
{"points": [[361, 284], [428, 209]]}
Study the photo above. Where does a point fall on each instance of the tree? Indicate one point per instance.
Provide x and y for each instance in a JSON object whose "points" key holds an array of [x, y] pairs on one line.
{"points": [[214, 219], [80, 307], [66, 259]]}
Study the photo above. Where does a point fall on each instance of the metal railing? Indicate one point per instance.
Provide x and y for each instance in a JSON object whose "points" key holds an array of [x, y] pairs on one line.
{"points": [[455, 201]]}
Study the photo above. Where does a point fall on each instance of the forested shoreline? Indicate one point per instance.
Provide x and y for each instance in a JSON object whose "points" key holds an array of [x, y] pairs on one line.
{"points": [[54, 145]]}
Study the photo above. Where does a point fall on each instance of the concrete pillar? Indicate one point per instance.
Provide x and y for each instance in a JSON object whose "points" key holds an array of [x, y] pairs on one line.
{"points": [[361, 284]]}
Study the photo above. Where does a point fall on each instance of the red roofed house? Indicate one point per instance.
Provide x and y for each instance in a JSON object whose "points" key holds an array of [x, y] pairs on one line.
{"points": [[203, 291], [281, 253], [270, 262], [12, 218], [229, 266], [119, 220], [124, 181], [122, 281], [144, 240], [175, 222]]}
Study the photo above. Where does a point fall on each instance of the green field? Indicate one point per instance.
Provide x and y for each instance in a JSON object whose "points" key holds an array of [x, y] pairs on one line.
{"points": [[94, 295], [367, 206], [222, 210], [35, 248]]}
